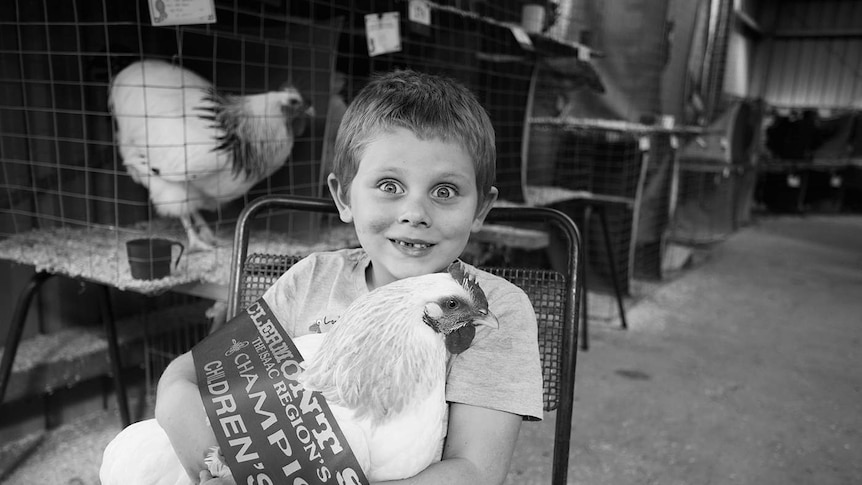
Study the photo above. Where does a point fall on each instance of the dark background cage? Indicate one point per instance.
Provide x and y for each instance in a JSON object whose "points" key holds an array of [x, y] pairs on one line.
{"points": [[63, 186]]}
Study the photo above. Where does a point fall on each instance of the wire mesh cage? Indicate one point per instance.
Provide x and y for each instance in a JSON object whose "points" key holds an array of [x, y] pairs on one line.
{"points": [[717, 175], [71, 151], [708, 198], [106, 102], [576, 162]]}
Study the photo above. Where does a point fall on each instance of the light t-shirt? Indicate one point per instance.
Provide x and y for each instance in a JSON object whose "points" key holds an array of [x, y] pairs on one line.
{"points": [[501, 370]]}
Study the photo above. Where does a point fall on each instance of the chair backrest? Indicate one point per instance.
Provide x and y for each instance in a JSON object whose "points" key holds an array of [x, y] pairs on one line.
{"points": [[555, 298]]}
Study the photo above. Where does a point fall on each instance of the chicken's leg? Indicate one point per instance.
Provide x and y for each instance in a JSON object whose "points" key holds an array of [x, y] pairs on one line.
{"points": [[204, 230], [200, 239]]}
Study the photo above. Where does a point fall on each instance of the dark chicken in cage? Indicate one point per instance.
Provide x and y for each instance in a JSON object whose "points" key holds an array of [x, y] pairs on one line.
{"points": [[194, 148]]}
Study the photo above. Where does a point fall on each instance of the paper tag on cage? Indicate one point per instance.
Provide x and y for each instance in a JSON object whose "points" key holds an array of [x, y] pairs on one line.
{"points": [[383, 33], [793, 181], [420, 12], [182, 12], [644, 143], [269, 428], [522, 37]]}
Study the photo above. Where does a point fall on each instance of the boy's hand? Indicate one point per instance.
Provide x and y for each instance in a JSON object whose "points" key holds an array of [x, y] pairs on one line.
{"points": [[208, 479]]}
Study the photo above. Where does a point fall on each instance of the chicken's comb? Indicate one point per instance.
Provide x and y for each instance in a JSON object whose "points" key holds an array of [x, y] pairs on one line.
{"points": [[468, 281]]}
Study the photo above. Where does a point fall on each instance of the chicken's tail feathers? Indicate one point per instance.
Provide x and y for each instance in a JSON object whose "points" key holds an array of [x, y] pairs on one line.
{"points": [[141, 453]]}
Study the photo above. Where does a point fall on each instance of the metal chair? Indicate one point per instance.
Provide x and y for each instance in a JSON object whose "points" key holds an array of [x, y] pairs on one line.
{"points": [[554, 296]]}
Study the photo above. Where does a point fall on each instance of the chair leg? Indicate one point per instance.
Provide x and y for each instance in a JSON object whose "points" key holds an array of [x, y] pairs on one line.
{"points": [[114, 352], [585, 263], [612, 262], [16, 328]]}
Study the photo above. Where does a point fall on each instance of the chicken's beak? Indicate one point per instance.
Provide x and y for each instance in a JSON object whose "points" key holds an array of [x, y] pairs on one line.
{"points": [[294, 111], [487, 318], [300, 122], [460, 340]]}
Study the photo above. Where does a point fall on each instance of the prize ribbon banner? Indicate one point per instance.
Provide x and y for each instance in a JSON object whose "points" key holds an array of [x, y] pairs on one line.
{"points": [[270, 429]]}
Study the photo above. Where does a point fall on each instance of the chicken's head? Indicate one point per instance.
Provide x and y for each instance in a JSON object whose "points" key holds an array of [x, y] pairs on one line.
{"points": [[456, 310], [391, 344], [295, 108], [292, 103]]}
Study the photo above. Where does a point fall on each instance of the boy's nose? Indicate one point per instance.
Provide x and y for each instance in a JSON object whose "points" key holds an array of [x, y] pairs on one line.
{"points": [[415, 213]]}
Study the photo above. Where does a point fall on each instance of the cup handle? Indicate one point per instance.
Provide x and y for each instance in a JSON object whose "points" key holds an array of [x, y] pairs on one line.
{"points": [[182, 248]]}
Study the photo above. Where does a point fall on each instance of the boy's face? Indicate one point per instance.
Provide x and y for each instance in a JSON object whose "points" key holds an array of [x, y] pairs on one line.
{"points": [[413, 203]]}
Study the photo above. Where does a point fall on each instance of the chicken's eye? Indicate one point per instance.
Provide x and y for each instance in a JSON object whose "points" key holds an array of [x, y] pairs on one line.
{"points": [[452, 304]]}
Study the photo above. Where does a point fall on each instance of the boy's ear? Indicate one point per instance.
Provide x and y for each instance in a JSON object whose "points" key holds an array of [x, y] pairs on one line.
{"points": [[487, 204], [342, 200]]}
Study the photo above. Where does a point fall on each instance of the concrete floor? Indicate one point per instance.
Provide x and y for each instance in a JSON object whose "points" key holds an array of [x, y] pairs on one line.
{"points": [[745, 369]]}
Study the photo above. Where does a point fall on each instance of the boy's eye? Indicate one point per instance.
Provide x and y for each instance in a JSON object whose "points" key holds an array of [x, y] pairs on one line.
{"points": [[390, 187], [444, 192]]}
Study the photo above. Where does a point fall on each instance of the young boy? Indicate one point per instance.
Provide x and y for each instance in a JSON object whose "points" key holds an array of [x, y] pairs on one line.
{"points": [[413, 171]]}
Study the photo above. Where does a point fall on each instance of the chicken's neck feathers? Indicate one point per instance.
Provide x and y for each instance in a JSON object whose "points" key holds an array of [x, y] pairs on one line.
{"points": [[253, 129]]}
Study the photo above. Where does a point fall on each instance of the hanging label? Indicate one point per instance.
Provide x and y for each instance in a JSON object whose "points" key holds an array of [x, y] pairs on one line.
{"points": [[182, 12], [383, 33], [420, 12], [269, 428], [644, 143], [522, 37]]}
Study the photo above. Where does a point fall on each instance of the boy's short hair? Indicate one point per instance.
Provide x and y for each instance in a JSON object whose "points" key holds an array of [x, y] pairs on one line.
{"points": [[430, 106]]}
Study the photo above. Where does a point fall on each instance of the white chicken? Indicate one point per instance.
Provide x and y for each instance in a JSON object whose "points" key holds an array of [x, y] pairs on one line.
{"points": [[195, 149], [382, 370]]}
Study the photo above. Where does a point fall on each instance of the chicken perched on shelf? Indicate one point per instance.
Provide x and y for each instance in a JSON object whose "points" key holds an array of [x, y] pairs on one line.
{"points": [[382, 370], [195, 149]]}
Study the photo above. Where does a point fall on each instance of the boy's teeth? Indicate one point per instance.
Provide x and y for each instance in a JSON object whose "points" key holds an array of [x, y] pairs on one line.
{"points": [[411, 245]]}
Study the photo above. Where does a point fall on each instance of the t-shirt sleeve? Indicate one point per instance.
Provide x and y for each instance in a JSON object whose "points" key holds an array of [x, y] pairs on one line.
{"points": [[287, 289], [502, 368], [310, 296]]}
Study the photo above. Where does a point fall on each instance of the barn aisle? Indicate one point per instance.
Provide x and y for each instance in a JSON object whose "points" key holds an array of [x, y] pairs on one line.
{"points": [[744, 369]]}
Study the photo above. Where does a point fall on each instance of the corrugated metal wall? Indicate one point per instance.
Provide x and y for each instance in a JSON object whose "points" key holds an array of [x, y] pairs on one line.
{"points": [[810, 53]]}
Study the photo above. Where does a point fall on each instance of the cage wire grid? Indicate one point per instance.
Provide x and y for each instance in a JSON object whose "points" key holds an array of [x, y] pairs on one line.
{"points": [[67, 203], [67, 194], [62, 175], [61, 168]]}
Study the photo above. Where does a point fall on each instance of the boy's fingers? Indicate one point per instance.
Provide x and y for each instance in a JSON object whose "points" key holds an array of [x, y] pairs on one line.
{"points": [[208, 479]]}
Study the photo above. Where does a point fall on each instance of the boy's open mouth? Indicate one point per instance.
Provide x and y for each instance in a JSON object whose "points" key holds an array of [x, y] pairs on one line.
{"points": [[413, 245]]}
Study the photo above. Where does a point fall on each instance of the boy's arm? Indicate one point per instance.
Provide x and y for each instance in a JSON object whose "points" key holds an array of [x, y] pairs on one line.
{"points": [[478, 450], [180, 412]]}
